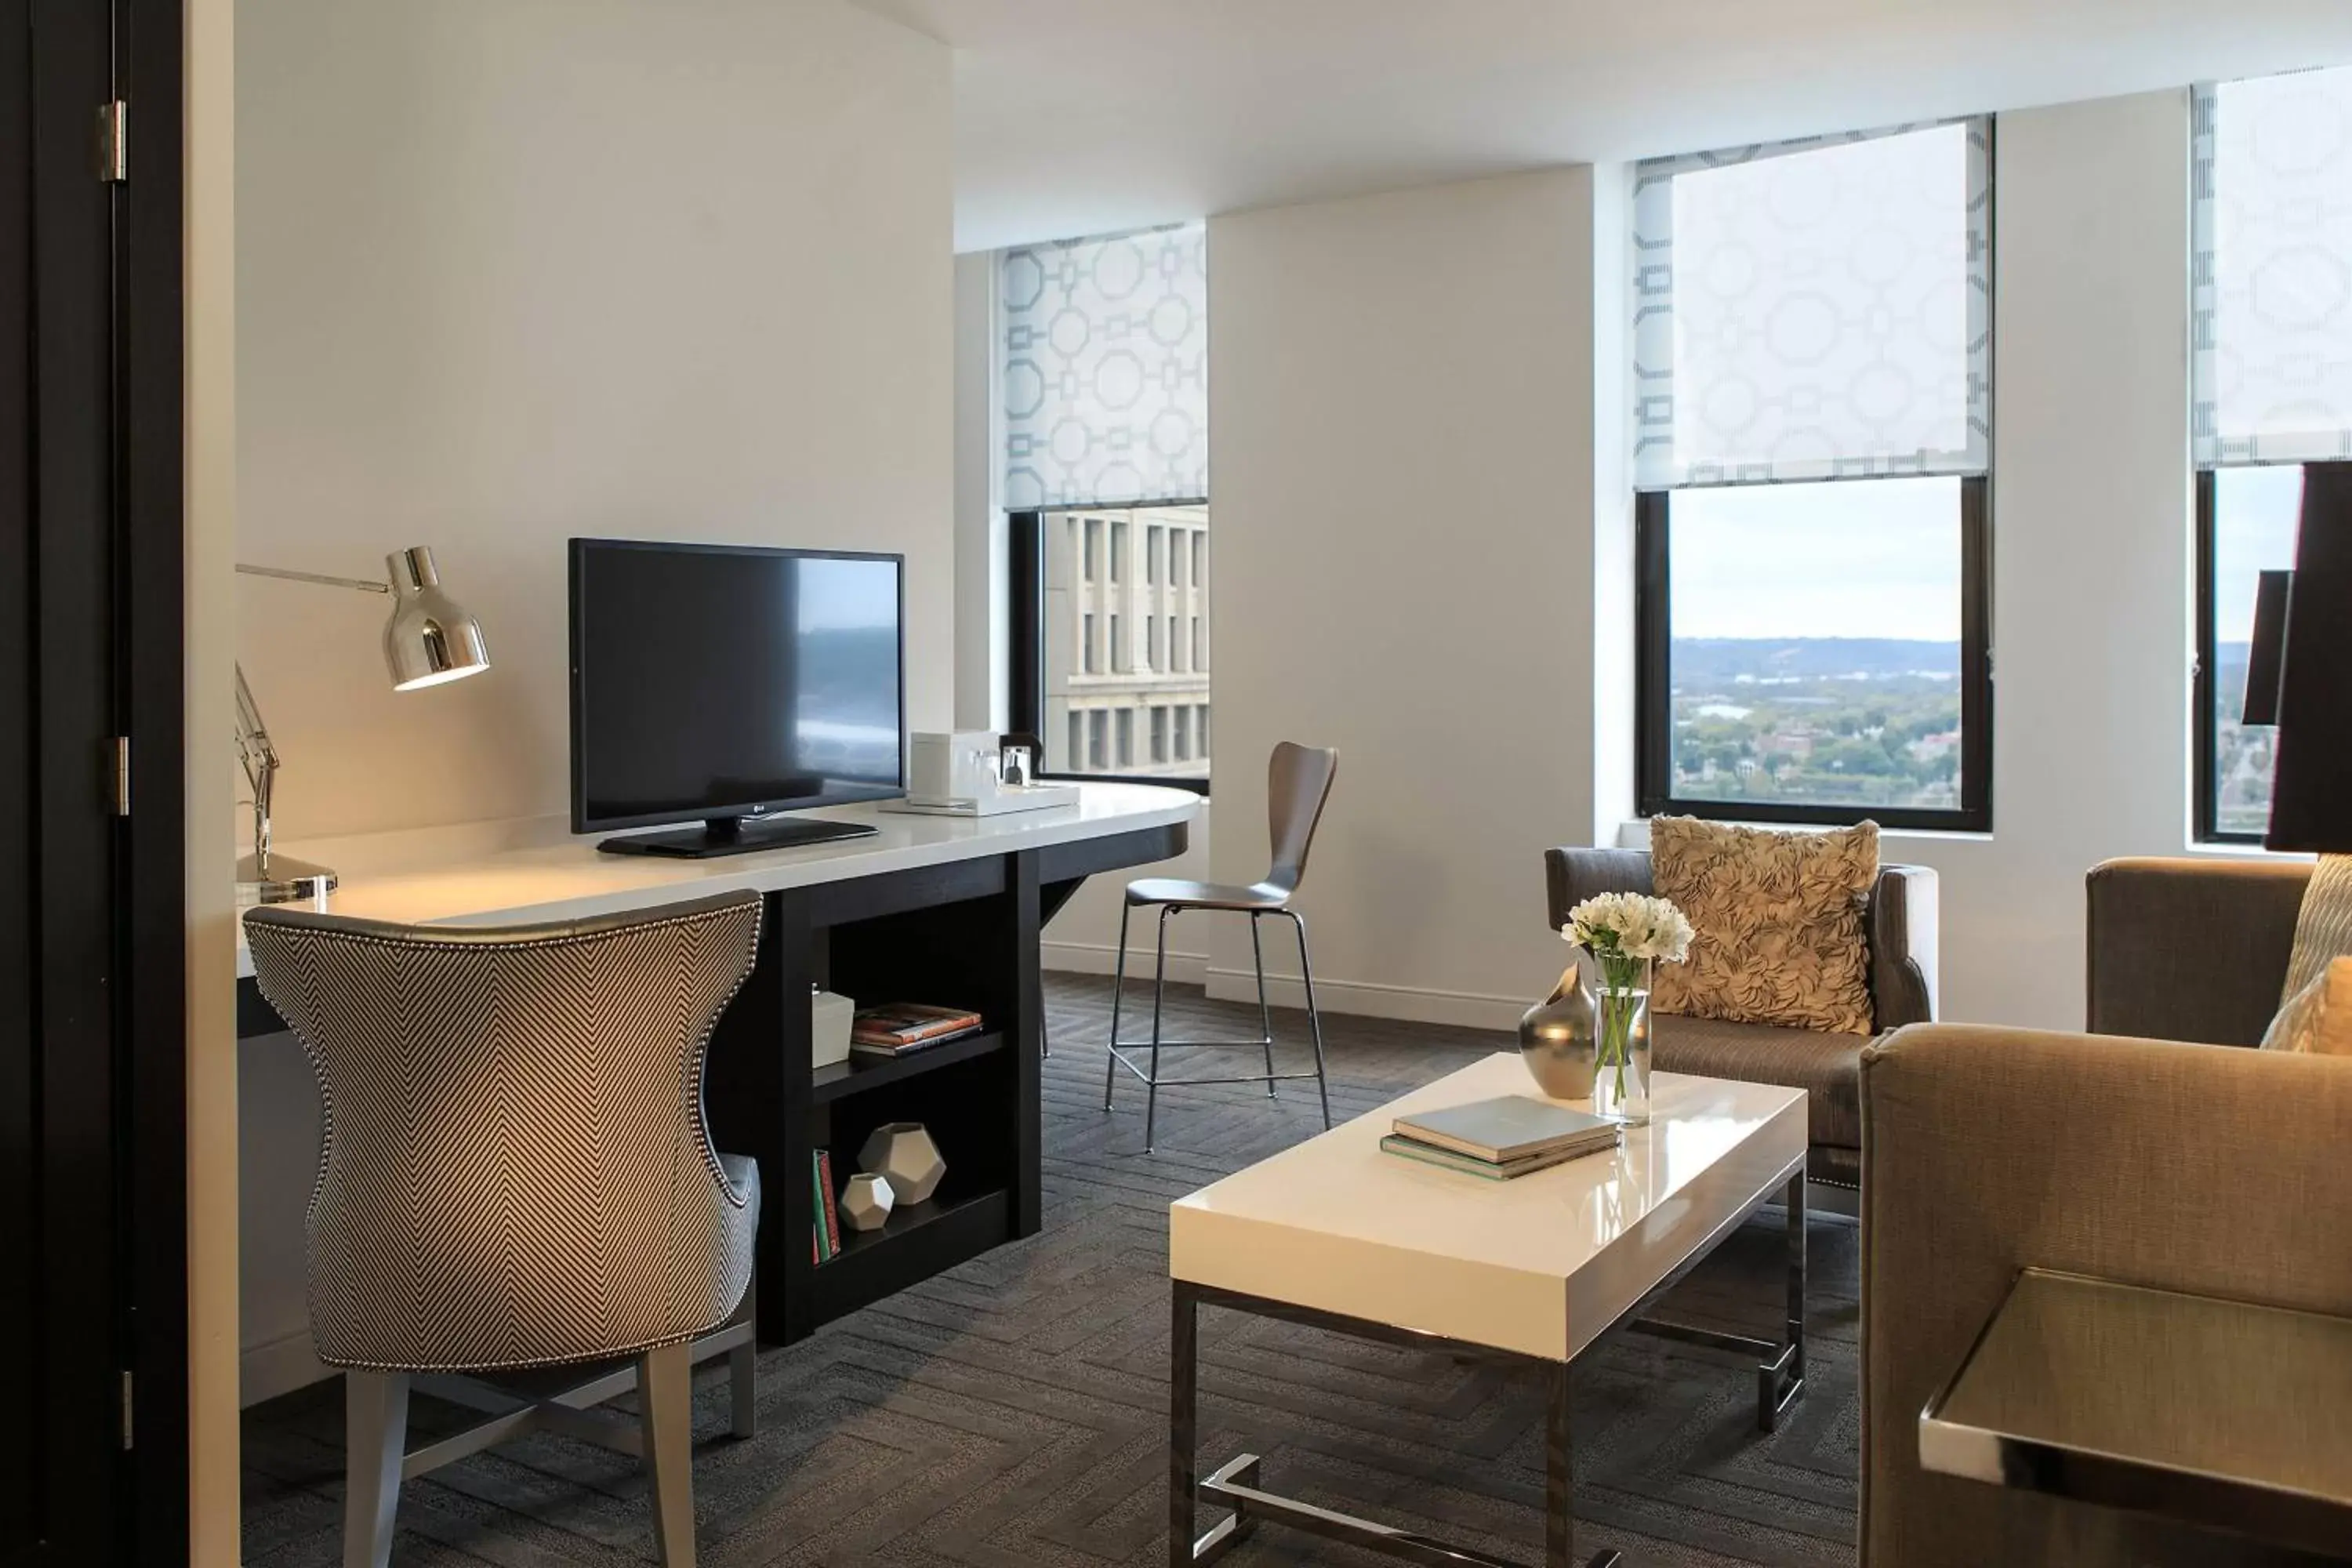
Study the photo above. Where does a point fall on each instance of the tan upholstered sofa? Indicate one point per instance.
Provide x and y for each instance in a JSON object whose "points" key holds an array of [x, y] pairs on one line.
{"points": [[2148, 1160], [1901, 925]]}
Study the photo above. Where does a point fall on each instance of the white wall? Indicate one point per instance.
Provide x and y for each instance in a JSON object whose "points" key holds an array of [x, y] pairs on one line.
{"points": [[1403, 418], [513, 271]]}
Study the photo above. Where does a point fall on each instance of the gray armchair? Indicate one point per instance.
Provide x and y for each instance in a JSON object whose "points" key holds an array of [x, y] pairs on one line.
{"points": [[2155, 1162], [517, 1174], [1901, 925]]}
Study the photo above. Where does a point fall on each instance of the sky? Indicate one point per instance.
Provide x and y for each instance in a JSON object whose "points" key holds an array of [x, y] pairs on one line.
{"points": [[1860, 558], [2254, 512]]}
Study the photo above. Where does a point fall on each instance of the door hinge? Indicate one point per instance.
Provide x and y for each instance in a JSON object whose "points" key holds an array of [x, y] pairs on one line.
{"points": [[114, 142], [127, 1408], [121, 776]]}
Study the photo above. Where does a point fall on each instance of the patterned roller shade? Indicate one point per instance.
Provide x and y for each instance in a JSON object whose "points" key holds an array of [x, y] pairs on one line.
{"points": [[1815, 310], [1105, 368], [2272, 269]]}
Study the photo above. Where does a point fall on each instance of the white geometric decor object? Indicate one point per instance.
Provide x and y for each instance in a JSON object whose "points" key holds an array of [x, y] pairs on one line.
{"points": [[866, 1203], [904, 1151]]}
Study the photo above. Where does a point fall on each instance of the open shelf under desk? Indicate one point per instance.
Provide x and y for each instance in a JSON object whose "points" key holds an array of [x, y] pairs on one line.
{"points": [[915, 1243], [861, 1073]]}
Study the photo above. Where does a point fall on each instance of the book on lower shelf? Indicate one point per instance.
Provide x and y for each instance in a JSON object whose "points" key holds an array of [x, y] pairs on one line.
{"points": [[1510, 1135], [827, 1230], [898, 1028]]}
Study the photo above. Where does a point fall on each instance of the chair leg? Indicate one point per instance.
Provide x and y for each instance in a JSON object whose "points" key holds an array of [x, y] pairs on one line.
{"points": [[1265, 1014], [1117, 985], [376, 1441], [744, 1369], [1314, 1017], [1159, 987], [666, 1417]]}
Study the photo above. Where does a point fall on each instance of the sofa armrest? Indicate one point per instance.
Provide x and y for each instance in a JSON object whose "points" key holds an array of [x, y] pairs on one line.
{"points": [[1902, 940], [2213, 1171], [2190, 950], [1573, 875]]}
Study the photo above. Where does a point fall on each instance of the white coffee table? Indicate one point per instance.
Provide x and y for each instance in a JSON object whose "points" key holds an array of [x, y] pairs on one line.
{"points": [[1338, 1235]]}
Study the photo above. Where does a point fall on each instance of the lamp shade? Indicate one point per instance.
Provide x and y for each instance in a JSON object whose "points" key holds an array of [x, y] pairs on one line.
{"points": [[2310, 784], [430, 638]]}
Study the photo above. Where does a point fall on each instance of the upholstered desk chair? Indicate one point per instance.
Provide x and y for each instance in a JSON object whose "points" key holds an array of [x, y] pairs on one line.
{"points": [[1298, 781], [518, 1176]]}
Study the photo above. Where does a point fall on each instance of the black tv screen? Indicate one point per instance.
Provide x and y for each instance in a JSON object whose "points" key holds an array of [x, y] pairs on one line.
{"points": [[713, 682]]}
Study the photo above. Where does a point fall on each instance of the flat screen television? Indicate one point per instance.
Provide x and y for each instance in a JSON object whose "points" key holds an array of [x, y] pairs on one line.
{"points": [[721, 684]]}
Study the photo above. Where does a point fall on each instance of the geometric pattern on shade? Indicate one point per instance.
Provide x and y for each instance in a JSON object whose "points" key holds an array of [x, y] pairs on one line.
{"points": [[516, 1170], [1105, 369], [1815, 310], [2270, 269]]}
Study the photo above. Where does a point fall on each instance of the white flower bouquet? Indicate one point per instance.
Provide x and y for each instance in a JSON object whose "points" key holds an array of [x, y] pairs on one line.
{"points": [[1625, 934]]}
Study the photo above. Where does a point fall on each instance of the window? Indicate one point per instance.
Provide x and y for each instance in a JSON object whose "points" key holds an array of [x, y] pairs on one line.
{"points": [[1054, 606], [2271, 373], [1102, 394], [1812, 413], [1200, 559], [1077, 747], [2245, 526]]}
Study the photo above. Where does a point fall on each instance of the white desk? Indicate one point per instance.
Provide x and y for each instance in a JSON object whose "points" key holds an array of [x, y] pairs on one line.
{"points": [[929, 907], [515, 873]]}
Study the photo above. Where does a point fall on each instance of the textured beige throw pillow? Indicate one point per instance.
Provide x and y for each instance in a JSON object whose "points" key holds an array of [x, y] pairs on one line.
{"points": [[1778, 919], [2317, 1018]]}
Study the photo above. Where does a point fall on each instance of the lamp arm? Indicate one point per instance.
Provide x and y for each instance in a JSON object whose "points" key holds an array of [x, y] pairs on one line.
{"points": [[259, 758], [362, 584]]}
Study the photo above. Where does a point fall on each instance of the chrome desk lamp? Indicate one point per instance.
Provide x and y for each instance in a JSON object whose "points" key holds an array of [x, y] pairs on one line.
{"points": [[429, 639]]}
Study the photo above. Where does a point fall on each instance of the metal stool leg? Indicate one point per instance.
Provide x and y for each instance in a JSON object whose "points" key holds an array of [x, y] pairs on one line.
{"points": [[1314, 1017], [1158, 986], [1117, 985], [1265, 1014]]}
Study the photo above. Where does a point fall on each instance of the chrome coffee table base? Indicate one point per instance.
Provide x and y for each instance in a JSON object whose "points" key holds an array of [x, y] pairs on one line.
{"points": [[1234, 1485]]}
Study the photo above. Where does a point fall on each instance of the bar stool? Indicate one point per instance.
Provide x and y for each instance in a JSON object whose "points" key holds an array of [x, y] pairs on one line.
{"points": [[1298, 781], [518, 1176]]}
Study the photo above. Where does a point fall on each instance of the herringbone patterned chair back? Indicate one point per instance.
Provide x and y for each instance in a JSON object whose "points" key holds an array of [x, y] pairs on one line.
{"points": [[517, 1169]]}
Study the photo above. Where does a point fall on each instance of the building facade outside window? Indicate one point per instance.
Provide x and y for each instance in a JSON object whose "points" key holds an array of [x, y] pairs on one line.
{"points": [[1120, 684], [2271, 373], [1812, 383]]}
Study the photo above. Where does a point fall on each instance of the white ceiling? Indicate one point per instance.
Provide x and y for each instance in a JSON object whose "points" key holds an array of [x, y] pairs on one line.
{"points": [[1078, 116]]}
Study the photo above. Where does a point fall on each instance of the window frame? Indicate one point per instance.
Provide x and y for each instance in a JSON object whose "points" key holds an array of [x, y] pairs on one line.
{"points": [[2205, 719], [1654, 685], [1026, 628]]}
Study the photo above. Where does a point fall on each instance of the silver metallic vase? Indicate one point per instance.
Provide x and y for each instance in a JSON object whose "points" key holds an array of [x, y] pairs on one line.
{"points": [[1557, 1039]]}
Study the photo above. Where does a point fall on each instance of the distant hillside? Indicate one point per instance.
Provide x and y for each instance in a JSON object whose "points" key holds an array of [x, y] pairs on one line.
{"points": [[1709, 661]]}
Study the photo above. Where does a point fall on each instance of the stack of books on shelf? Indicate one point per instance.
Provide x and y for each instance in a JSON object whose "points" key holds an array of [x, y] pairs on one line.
{"points": [[1501, 1138], [827, 1230], [904, 1026]]}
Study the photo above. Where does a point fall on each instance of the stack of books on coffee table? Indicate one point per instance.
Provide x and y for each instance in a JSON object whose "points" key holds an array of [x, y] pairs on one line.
{"points": [[1507, 1136]]}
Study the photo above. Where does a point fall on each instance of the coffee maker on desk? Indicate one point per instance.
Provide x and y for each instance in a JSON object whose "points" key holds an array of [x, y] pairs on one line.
{"points": [[976, 773]]}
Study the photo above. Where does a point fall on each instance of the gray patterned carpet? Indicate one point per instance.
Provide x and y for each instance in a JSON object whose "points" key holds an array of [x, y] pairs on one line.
{"points": [[1013, 1412]]}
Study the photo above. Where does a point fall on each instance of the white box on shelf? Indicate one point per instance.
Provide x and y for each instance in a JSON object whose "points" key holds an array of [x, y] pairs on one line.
{"points": [[829, 1019]]}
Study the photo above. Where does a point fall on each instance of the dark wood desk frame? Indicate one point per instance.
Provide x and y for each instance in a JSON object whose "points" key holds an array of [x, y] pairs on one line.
{"points": [[964, 933]]}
